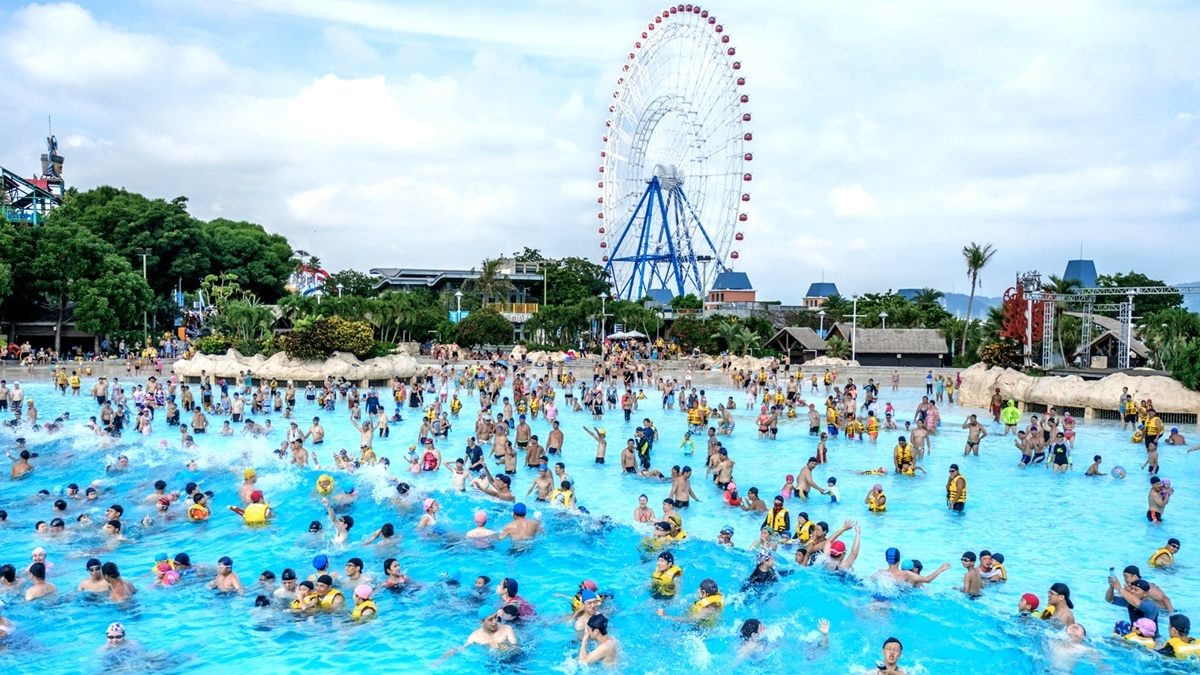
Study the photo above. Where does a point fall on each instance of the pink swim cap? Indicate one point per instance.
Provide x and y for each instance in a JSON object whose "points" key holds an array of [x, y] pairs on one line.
{"points": [[363, 591], [878, 487], [428, 503], [480, 518]]}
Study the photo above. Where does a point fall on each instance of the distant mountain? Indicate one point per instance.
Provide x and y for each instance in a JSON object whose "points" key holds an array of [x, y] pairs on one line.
{"points": [[1191, 300], [956, 303]]}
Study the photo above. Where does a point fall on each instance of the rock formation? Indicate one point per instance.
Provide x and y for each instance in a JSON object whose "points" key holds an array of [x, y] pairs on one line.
{"points": [[280, 367], [979, 382]]}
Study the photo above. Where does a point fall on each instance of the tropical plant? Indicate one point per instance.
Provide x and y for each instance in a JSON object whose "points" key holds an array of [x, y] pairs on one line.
{"points": [[686, 302], [484, 327], [977, 257], [690, 332], [1185, 365], [836, 347], [836, 308], [1170, 331], [328, 335], [1003, 353], [1056, 285], [247, 319], [491, 282]]}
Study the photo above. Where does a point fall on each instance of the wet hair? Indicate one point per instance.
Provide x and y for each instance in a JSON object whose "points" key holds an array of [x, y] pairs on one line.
{"points": [[268, 575], [348, 521], [38, 570], [388, 563], [387, 530], [750, 628], [109, 569], [598, 623], [894, 641], [60, 504], [262, 601]]}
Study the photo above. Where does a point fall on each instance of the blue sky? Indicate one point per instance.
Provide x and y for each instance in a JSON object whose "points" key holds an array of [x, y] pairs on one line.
{"points": [[887, 135]]}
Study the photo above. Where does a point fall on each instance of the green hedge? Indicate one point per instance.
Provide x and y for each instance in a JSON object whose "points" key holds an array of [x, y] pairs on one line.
{"points": [[328, 335]]}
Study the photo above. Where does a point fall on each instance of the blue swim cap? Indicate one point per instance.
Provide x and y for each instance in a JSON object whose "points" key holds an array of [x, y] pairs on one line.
{"points": [[160, 557], [486, 612], [519, 509], [321, 561], [348, 487], [892, 555], [226, 561], [586, 595], [907, 565], [584, 510], [454, 575]]}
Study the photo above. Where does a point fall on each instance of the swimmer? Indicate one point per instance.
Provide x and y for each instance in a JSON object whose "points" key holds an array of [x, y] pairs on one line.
{"points": [[341, 525], [431, 507], [385, 535], [1059, 605], [480, 531], [975, 433], [972, 585], [643, 513], [607, 647], [521, 528], [122, 590], [1094, 469], [364, 606], [491, 633], [907, 573], [705, 611], [1165, 556], [40, 588], [892, 651], [227, 580], [95, 581]]}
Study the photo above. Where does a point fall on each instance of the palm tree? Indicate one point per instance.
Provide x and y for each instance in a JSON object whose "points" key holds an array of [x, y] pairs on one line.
{"points": [[490, 282], [977, 257], [928, 296]]}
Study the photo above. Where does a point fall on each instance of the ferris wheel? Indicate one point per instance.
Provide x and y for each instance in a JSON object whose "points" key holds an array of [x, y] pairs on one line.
{"points": [[673, 188]]}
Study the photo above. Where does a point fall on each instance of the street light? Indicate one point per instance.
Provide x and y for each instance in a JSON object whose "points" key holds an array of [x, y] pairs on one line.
{"points": [[603, 313], [458, 299], [883, 318], [822, 315], [339, 287], [854, 332], [318, 293]]}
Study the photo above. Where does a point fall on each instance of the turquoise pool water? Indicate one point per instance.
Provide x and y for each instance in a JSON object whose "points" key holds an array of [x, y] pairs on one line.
{"points": [[1051, 528]]}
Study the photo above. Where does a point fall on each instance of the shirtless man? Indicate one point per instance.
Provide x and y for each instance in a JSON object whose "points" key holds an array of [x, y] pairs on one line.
{"points": [[975, 434], [681, 488], [499, 487], [316, 432], [491, 633], [341, 525], [972, 582], [523, 435], [227, 580], [95, 581], [1059, 605], [606, 647], [249, 477], [804, 480], [629, 458], [1157, 504], [535, 454], [122, 590], [544, 484], [997, 403], [907, 576], [40, 588], [600, 436], [521, 528], [199, 421], [919, 437], [723, 471], [554, 442]]}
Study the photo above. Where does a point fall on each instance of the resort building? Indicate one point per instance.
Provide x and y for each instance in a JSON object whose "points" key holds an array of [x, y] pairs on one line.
{"points": [[797, 344], [895, 347], [818, 293]]}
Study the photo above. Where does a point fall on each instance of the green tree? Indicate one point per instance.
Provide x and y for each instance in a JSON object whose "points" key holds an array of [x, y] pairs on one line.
{"points": [[1064, 330], [484, 327], [262, 262], [353, 282], [837, 348], [63, 263], [491, 282], [686, 302], [690, 332], [1170, 331], [977, 257], [1144, 305], [571, 281], [836, 308]]}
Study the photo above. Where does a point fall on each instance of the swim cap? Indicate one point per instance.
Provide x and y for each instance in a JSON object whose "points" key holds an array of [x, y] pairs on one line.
{"points": [[1174, 430], [92, 562], [225, 561], [115, 630], [480, 518], [348, 487], [892, 555], [878, 487], [320, 562], [160, 557], [586, 595], [727, 530], [763, 555], [790, 477], [1146, 627], [325, 579], [1031, 600], [837, 548], [1063, 590], [543, 467], [1181, 623], [519, 509], [249, 473], [590, 585], [486, 613], [510, 585], [164, 501], [180, 558], [362, 591], [429, 501], [667, 556], [256, 496], [907, 565]]}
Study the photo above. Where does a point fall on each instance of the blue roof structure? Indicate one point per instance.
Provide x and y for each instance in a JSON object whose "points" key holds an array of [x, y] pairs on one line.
{"points": [[660, 295], [908, 293], [732, 281], [1083, 271], [822, 289]]}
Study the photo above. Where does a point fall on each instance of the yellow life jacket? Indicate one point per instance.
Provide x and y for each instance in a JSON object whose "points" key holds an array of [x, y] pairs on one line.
{"points": [[791, 413], [1182, 648], [804, 531], [714, 601], [356, 613], [663, 582], [872, 425], [779, 398], [831, 415], [328, 598], [255, 514], [75, 381], [455, 405], [904, 453], [1003, 571], [328, 480], [1130, 408], [577, 602], [1162, 551], [1046, 614], [1147, 642], [952, 493], [695, 417], [559, 497], [1138, 435], [828, 378], [855, 427], [198, 512], [874, 505], [1154, 427], [297, 605], [679, 536], [777, 521]]}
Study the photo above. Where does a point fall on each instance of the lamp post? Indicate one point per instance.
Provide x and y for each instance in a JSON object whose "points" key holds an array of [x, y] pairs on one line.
{"points": [[458, 299], [854, 331], [318, 293], [603, 313], [822, 329], [339, 287], [883, 318], [144, 252]]}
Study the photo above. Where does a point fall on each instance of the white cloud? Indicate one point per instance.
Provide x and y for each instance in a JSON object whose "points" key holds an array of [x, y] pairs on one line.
{"points": [[852, 201]]}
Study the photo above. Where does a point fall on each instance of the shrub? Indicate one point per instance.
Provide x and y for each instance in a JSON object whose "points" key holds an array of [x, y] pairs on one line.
{"points": [[213, 344], [690, 333], [1003, 354], [380, 349], [483, 327], [328, 335], [1185, 365]]}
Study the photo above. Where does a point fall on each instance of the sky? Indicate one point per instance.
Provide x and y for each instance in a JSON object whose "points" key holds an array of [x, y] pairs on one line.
{"points": [[429, 134]]}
